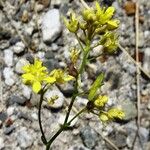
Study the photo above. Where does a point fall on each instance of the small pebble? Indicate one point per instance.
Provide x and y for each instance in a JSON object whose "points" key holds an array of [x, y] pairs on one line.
{"points": [[19, 47], [8, 57]]}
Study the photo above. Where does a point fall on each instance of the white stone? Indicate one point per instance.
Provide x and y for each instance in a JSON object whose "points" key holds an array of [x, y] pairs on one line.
{"points": [[26, 91], [146, 63], [34, 116], [1, 143], [24, 138], [51, 25], [55, 92], [22, 62], [19, 47], [9, 76], [10, 110], [29, 30], [8, 57]]}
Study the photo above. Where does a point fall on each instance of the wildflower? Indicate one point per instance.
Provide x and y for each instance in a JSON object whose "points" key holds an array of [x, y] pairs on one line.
{"points": [[34, 75], [101, 101], [74, 55], [116, 113], [73, 24], [110, 42], [103, 117], [60, 76]]}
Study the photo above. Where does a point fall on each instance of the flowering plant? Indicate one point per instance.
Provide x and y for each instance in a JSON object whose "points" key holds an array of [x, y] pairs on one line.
{"points": [[94, 22]]}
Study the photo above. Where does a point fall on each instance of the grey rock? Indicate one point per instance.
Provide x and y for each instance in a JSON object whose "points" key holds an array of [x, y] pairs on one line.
{"points": [[9, 76], [9, 130], [22, 115], [50, 64], [51, 26], [14, 40], [35, 98], [22, 62], [24, 138], [19, 47], [118, 138], [67, 89], [78, 147], [144, 134], [8, 57], [89, 137], [3, 116], [26, 91], [49, 55], [16, 99], [129, 109]]}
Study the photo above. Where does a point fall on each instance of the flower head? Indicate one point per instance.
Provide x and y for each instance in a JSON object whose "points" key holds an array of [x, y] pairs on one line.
{"points": [[73, 24], [34, 75], [116, 113], [60, 76], [101, 101]]}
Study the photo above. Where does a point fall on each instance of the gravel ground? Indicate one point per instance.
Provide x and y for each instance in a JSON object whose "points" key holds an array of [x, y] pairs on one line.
{"points": [[33, 28]]}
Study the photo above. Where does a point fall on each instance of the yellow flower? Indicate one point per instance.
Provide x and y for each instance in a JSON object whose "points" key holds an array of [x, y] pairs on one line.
{"points": [[116, 113], [74, 55], [73, 24], [101, 101], [103, 117], [61, 76], [110, 42], [34, 75]]}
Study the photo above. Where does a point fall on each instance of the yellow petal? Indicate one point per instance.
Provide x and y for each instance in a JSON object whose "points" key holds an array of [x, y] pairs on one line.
{"points": [[37, 63], [112, 24], [68, 78], [50, 80], [28, 76], [36, 86], [26, 68]]}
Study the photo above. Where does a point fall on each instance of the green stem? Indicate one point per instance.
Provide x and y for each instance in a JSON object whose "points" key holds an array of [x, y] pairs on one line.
{"points": [[79, 42], [80, 112], [64, 126], [75, 93], [39, 118], [72, 101], [53, 138]]}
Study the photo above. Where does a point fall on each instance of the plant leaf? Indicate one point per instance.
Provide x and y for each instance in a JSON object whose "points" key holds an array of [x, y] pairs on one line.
{"points": [[97, 84]]}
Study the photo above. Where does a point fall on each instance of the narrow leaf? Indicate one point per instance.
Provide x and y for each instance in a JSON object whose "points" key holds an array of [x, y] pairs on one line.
{"points": [[97, 84]]}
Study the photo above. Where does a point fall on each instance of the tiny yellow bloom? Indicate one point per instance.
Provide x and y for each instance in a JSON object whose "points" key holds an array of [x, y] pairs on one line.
{"points": [[74, 55], [116, 113], [34, 75], [113, 24], [101, 101], [103, 117], [61, 76], [73, 24]]}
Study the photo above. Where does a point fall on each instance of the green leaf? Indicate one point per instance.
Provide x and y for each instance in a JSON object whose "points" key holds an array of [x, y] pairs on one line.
{"points": [[97, 84]]}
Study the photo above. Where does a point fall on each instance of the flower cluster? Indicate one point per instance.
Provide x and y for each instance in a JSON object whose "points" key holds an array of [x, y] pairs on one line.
{"points": [[98, 107], [96, 104], [37, 75], [96, 22]]}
